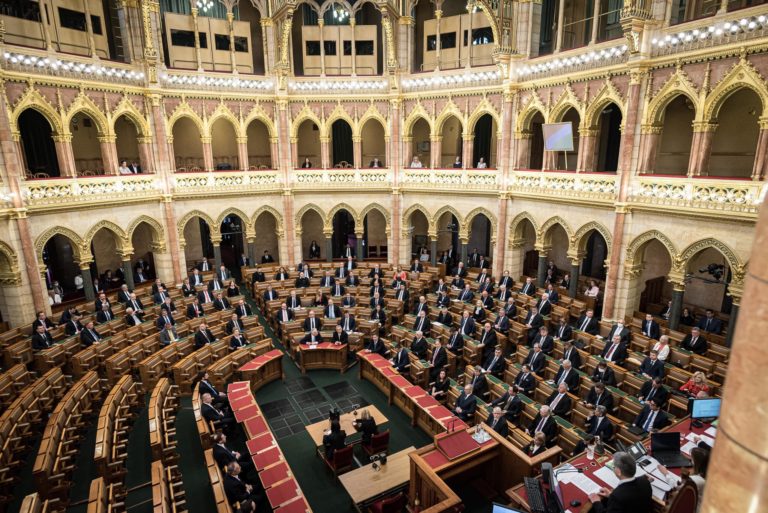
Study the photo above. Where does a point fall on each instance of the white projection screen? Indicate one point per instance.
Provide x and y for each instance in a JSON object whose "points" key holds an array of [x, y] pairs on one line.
{"points": [[558, 136]]}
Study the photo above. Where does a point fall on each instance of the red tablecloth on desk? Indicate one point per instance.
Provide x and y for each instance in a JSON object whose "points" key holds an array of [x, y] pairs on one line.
{"points": [[283, 492], [399, 381], [260, 443], [297, 506], [255, 426], [274, 474], [261, 360], [241, 401], [266, 458]]}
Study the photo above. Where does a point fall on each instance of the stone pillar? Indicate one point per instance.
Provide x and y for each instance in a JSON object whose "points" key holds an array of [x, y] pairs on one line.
{"points": [[325, 152], [207, 154], [64, 155], [514, 258], [242, 153], [701, 148], [328, 234], [541, 273], [357, 152], [560, 19], [85, 269], [198, 57], [678, 289], [387, 153], [127, 270], [274, 154], [146, 159], [649, 148], [109, 157], [359, 247], [45, 22], [500, 236], [285, 151], [468, 64], [464, 241], [436, 152], [760, 169], [268, 42], [251, 241], [468, 145], [321, 26], [352, 24], [433, 249], [573, 289], [523, 154], [407, 151], [231, 23], [216, 241], [295, 153], [585, 161], [438, 17], [89, 29]]}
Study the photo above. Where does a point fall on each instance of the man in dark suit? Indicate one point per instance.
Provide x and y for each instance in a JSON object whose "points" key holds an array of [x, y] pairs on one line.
{"points": [[352, 280], [337, 290], [266, 258], [419, 346], [529, 289], [511, 308], [159, 296], [401, 362], [204, 386], [563, 332], [168, 335], [694, 342], [599, 425], [223, 274], [438, 360], [105, 314], [506, 281], [545, 341], [205, 297], [456, 341], [710, 323], [536, 359], [416, 267], [284, 314], [503, 294], [460, 270], [494, 364], [466, 295], [501, 324], [311, 322], [620, 330], [293, 301], [587, 323], [525, 379], [444, 317], [651, 328], [652, 367], [213, 414], [204, 266], [312, 338], [132, 318], [631, 495], [196, 278], [242, 309], [572, 354], [457, 282], [223, 455], [347, 322], [558, 401], [73, 325], [375, 345], [615, 351], [89, 335], [221, 303], [488, 341], [422, 323], [402, 294], [203, 336], [66, 315], [474, 258], [327, 280], [123, 295], [533, 321], [599, 396], [498, 422], [653, 390], [486, 300], [544, 305], [270, 294], [467, 324], [566, 374], [41, 339], [543, 423], [481, 276], [332, 311], [135, 303], [258, 276], [195, 309], [604, 374], [466, 404], [478, 382], [651, 418], [510, 403], [234, 323], [215, 284]]}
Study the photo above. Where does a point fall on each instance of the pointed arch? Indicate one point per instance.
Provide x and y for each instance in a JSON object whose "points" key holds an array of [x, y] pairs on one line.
{"points": [[306, 208], [515, 227], [337, 114], [304, 114], [607, 94], [640, 241], [184, 111], [372, 113], [223, 112], [742, 75], [697, 247], [450, 110], [544, 235], [119, 234], [266, 209], [189, 216], [10, 273], [580, 238], [32, 99], [487, 213], [678, 84], [337, 208], [128, 109], [414, 208], [74, 238], [567, 100], [485, 107], [157, 230], [375, 206], [232, 211], [85, 105], [443, 210], [526, 116], [418, 112], [258, 114]]}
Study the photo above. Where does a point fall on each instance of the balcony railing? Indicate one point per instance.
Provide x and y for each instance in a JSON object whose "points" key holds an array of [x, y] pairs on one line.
{"points": [[66, 192], [341, 178], [461, 179], [581, 186], [226, 182]]}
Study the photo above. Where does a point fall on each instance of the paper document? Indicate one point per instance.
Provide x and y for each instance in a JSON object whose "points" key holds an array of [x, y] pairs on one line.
{"points": [[607, 476], [565, 473], [686, 449], [711, 431], [704, 438], [584, 484]]}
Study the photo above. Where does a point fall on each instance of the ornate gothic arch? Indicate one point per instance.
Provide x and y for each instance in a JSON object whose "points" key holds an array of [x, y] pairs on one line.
{"points": [[742, 75], [121, 240], [580, 238], [607, 94], [338, 208], [678, 84], [184, 110], [212, 226], [79, 250], [370, 208], [232, 211], [525, 118], [304, 114], [447, 208], [258, 114], [418, 112], [128, 109], [83, 104], [32, 99], [10, 273], [449, 111], [488, 214], [515, 227], [266, 209], [567, 101], [306, 208], [335, 115], [685, 256], [485, 107], [372, 114], [409, 212], [223, 112], [158, 232], [544, 235], [641, 240]]}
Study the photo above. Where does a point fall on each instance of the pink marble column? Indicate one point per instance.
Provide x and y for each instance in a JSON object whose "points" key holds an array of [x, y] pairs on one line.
{"points": [[325, 152], [357, 152], [163, 147], [436, 152], [504, 149], [274, 153], [65, 155], [407, 151], [242, 153], [466, 158], [146, 161], [387, 152], [649, 148], [523, 154], [286, 152], [109, 155], [585, 161], [760, 169], [207, 153], [701, 148], [295, 153]]}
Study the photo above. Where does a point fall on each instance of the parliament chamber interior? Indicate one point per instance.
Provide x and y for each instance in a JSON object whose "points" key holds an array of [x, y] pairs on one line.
{"points": [[436, 256]]}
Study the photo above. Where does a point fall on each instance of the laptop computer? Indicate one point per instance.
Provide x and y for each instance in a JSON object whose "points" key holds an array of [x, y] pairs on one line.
{"points": [[665, 448]]}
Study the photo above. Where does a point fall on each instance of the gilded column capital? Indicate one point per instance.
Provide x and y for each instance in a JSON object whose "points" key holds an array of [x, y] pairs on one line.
{"points": [[704, 126]]}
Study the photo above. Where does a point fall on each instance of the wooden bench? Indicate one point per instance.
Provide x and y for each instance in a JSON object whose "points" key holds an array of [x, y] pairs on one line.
{"points": [[111, 449], [167, 489], [106, 498], [163, 405]]}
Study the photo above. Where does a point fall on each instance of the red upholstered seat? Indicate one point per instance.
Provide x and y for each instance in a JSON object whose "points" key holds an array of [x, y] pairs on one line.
{"points": [[393, 504], [379, 444], [341, 460]]}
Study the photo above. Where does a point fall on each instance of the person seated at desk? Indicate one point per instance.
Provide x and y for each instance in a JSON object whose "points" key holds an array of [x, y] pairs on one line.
{"points": [[42, 339], [466, 404], [563, 332], [651, 418], [221, 303], [466, 295], [653, 389], [545, 341], [443, 300], [456, 341], [559, 402], [401, 362], [571, 354], [380, 316], [294, 301], [478, 382], [67, 315], [444, 317], [439, 388], [510, 403], [347, 322], [319, 301], [494, 364], [498, 422], [554, 297], [698, 474], [695, 385], [503, 294], [566, 374], [686, 318], [478, 313], [334, 438], [376, 300], [168, 334], [211, 413], [332, 311], [224, 455], [337, 290], [240, 492], [604, 374], [566, 281], [598, 424], [593, 290], [195, 309], [543, 423], [631, 495], [132, 318], [457, 283], [419, 346], [237, 340], [525, 379], [536, 360], [187, 290], [598, 395], [694, 342], [205, 297], [538, 445], [349, 301], [281, 274], [486, 293], [488, 341], [652, 367], [105, 314], [232, 289], [460, 271], [662, 348], [467, 324], [544, 305], [284, 314], [73, 325], [587, 323], [204, 336], [651, 328], [301, 282], [534, 322], [258, 277], [312, 338], [233, 323], [339, 336], [242, 309], [375, 345], [89, 335], [352, 280], [366, 424], [616, 351], [501, 324], [422, 323], [710, 323], [529, 289], [312, 322]]}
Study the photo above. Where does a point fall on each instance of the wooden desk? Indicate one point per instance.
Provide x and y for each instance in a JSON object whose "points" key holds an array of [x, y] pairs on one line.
{"points": [[325, 355], [317, 430], [365, 484]]}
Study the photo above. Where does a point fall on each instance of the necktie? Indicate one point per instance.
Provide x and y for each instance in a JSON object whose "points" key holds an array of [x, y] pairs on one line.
{"points": [[650, 394], [648, 329], [557, 400], [196, 312], [492, 363], [649, 421], [609, 356], [706, 328], [285, 316], [93, 335], [597, 425], [109, 317], [584, 324], [693, 341], [597, 401], [167, 321], [242, 309], [331, 313], [540, 427], [346, 324], [533, 358], [434, 356], [562, 377]]}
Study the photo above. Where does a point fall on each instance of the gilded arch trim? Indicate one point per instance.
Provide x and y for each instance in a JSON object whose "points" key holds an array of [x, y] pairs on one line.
{"points": [[516, 226], [678, 84], [128, 109], [376, 207], [485, 107], [267, 210], [118, 233], [79, 250], [408, 213], [544, 236], [232, 211], [304, 115], [743, 75], [182, 223], [83, 104], [223, 112], [258, 114], [639, 242], [488, 214], [306, 208], [450, 111], [338, 208], [447, 208], [607, 94], [158, 232], [418, 112], [337, 114], [579, 239], [32, 99], [372, 114], [183, 110], [697, 247]]}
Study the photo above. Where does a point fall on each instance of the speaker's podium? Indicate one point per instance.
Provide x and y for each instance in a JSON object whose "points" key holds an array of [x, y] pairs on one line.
{"points": [[460, 458]]}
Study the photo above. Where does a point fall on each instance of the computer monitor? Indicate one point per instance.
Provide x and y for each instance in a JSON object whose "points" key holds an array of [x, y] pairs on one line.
{"points": [[668, 441], [708, 408], [555, 493], [498, 508]]}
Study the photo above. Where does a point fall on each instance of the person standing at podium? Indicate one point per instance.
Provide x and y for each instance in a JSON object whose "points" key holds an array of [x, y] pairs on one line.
{"points": [[631, 495]]}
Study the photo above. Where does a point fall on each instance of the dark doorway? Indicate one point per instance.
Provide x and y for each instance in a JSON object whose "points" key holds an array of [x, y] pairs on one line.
{"points": [[37, 143], [231, 241], [341, 137], [343, 232]]}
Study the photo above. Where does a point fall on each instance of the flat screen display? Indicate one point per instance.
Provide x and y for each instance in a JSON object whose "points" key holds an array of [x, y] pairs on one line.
{"points": [[705, 408], [498, 508], [558, 136]]}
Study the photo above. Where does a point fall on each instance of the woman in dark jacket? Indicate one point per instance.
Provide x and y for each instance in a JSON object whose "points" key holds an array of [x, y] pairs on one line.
{"points": [[335, 438], [367, 426]]}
